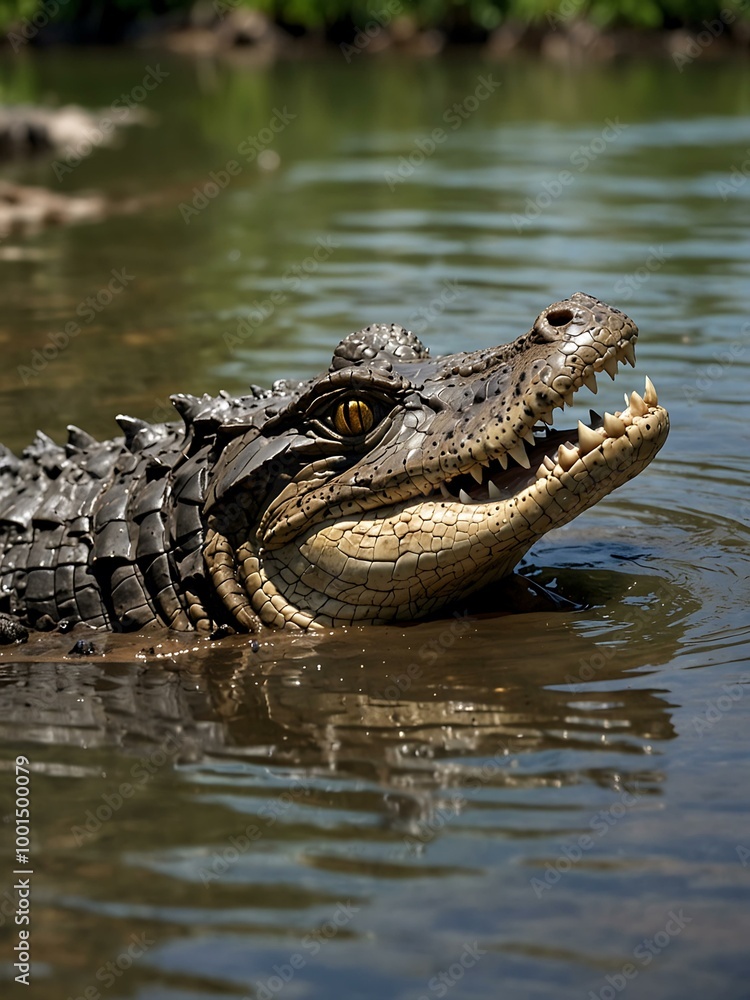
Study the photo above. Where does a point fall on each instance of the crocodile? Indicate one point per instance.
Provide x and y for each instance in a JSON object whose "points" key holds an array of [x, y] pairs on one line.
{"points": [[383, 490]]}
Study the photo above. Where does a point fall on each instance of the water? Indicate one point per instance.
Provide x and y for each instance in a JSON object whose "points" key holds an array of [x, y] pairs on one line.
{"points": [[532, 805]]}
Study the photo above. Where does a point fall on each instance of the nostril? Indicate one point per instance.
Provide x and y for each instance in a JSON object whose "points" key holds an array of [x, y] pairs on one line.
{"points": [[559, 317]]}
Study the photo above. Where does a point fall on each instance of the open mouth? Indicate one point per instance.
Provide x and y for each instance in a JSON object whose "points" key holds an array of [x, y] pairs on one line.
{"points": [[543, 451]]}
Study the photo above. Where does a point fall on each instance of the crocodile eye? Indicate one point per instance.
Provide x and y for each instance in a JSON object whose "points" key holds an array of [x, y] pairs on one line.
{"points": [[353, 417]]}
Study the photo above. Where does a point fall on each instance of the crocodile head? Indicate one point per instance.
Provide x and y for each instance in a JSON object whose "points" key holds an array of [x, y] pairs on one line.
{"points": [[395, 483]]}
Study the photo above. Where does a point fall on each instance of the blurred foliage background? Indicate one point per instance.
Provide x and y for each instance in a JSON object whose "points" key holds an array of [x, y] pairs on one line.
{"points": [[460, 20]]}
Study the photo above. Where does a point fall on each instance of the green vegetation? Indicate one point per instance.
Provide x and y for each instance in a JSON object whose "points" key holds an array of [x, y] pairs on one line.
{"points": [[109, 20]]}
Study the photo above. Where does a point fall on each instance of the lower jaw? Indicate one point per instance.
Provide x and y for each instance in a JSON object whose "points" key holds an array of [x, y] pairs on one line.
{"points": [[333, 588]]}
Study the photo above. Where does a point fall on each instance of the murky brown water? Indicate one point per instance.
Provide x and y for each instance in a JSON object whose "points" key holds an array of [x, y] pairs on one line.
{"points": [[540, 805]]}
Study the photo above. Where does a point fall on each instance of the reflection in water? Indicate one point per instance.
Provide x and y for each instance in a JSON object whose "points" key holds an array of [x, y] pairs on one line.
{"points": [[288, 783], [391, 704], [348, 755]]}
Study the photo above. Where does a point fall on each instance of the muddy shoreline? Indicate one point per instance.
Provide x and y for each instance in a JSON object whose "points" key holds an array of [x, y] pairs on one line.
{"points": [[239, 33]]}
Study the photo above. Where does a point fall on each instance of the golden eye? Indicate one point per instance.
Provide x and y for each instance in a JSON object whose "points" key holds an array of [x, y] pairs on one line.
{"points": [[353, 417]]}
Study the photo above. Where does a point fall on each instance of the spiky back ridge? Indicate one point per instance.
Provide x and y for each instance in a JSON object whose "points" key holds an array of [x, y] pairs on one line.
{"points": [[111, 532]]}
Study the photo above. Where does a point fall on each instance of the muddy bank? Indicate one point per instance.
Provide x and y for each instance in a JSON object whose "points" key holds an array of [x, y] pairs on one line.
{"points": [[225, 28]]}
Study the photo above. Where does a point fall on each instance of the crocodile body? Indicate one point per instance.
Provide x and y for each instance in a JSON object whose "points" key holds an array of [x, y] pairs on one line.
{"points": [[384, 489]]}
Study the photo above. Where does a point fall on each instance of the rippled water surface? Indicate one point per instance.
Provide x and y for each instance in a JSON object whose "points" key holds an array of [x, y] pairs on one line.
{"points": [[536, 805]]}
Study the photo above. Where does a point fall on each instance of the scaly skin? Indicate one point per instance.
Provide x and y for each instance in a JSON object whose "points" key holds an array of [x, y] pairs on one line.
{"points": [[382, 490]]}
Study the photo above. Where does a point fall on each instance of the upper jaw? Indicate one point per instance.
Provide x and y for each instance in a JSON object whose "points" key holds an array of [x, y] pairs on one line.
{"points": [[570, 344], [557, 452]]}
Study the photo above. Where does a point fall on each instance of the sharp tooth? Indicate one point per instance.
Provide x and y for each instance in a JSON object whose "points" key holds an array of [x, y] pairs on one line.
{"points": [[503, 460], [628, 350], [541, 472], [627, 400], [637, 405], [519, 453], [568, 397], [528, 435], [549, 464], [476, 472], [590, 383], [588, 439], [594, 417], [493, 491], [566, 457], [613, 425], [464, 497], [649, 395], [610, 364]]}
